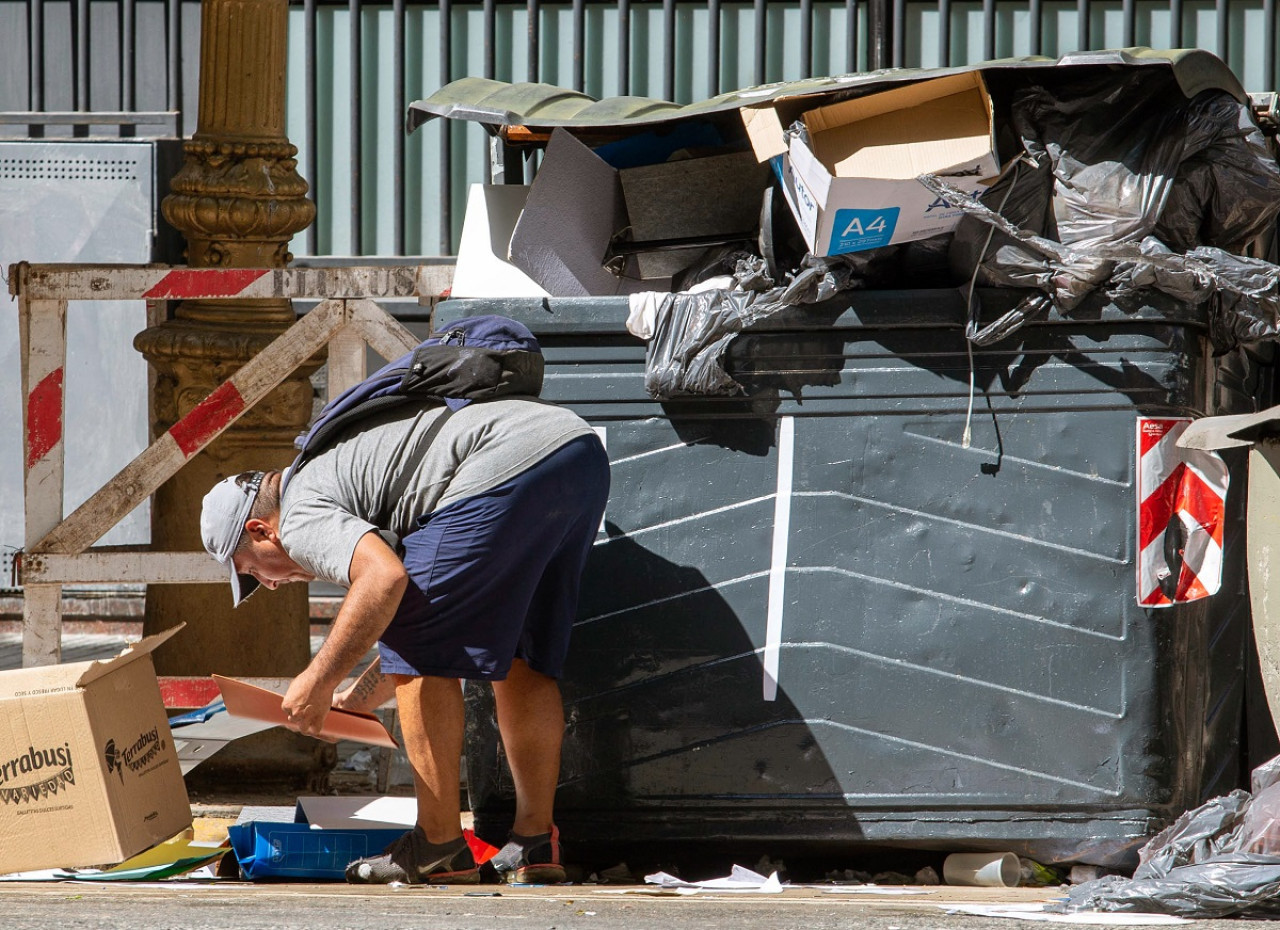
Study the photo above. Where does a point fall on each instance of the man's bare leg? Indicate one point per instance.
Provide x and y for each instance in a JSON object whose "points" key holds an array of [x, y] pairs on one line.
{"points": [[431, 718], [431, 721], [531, 721]]}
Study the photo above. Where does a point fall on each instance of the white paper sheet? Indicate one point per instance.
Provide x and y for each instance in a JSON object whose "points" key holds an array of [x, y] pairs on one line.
{"points": [[740, 879], [1036, 912], [336, 813]]}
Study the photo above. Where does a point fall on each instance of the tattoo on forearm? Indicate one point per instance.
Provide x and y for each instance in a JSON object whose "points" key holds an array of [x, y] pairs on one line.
{"points": [[368, 684]]}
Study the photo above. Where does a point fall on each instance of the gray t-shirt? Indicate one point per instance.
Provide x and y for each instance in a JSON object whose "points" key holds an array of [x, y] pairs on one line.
{"points": [[380, 476]]}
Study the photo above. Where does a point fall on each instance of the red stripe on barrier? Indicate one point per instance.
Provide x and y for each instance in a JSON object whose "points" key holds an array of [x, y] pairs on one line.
{"points": [[188, 692], [44, 417], [1159, 507], [208, 416], [1203, 504], [204, 282]]}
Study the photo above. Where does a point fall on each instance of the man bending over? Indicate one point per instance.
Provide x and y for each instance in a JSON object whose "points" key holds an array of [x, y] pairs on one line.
{"points": [[460, 530]]}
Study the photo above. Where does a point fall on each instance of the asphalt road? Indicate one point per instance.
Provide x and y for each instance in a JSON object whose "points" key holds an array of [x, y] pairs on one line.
{"points": [[244, 906]]}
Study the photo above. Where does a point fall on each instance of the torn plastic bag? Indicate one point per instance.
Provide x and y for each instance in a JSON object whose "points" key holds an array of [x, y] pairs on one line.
{"points": [[1232, 885], [1127, 160], [1021, 195], [1221, 859], [1138, 158], [1243, 294], [692, 330]]}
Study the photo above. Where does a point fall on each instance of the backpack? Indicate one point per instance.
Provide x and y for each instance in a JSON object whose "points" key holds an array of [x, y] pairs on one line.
{"points": [[475, 359]]}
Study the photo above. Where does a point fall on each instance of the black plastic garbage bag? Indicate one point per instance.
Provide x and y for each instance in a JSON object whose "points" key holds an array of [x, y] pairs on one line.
{"points": [[1221, 859], [692, 330], [1125, 160], [1221, 887], [691, 333], [1198, 835], [1134, 158], [1242, 294], [1021, 195], [1216, 195]]}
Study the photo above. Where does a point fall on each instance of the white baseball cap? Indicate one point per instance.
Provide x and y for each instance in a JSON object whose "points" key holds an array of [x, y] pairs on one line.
{"points": [[222, 517]]}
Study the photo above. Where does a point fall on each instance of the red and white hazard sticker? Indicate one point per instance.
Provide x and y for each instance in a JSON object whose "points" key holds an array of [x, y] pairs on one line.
{"points": [[1182, 496]]}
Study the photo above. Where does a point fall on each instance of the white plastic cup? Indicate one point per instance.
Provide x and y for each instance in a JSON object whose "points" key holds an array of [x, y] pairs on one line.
{"points": [[987, 870]]}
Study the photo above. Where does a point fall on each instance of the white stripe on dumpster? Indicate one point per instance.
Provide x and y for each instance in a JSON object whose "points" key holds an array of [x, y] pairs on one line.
{"points": [[778, 565]]}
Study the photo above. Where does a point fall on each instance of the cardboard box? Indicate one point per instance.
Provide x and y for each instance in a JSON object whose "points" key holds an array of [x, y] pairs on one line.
{"points": [[579, 203], [88, 772], [853, 187]]}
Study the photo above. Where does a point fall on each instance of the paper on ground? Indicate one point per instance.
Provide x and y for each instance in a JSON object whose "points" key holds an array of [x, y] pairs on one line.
{"points": [[174, 850], [39, 875], [738, 880], [335, 813], [1037, 912], [175, 857], [146, 873]]}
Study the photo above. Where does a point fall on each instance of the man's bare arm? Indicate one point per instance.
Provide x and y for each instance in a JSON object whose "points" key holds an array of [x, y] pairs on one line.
{"points": [[378, 581]]}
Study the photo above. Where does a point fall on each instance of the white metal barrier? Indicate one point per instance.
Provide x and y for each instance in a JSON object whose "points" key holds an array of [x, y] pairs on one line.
{"points": [[58, 551]]}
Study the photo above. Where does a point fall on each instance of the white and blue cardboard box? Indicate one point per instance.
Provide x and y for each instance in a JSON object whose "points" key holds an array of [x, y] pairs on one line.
{"points": [[853, 186], [88, 772]]}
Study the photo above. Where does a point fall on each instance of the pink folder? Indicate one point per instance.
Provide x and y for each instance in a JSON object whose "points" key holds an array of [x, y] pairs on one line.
{"points": [[246, 700]]}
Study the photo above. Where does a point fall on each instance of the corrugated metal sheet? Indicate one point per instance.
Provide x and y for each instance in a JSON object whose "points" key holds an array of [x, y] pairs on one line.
{"points": [[544, 106]]}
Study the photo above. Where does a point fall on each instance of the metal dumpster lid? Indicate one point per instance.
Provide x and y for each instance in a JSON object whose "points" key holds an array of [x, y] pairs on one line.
{"points": [[545, 106], [1232, 430]]}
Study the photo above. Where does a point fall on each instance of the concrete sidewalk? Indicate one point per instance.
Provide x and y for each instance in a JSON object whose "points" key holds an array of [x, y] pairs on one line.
{"points": [[483, 907], [244, 906]]}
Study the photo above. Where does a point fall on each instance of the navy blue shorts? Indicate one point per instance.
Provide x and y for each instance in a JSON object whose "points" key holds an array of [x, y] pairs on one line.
{"points": [[496, 576]]}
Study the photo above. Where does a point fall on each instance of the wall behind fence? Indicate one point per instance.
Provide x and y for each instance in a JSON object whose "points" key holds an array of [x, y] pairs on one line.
{"points": [[354, 66]]}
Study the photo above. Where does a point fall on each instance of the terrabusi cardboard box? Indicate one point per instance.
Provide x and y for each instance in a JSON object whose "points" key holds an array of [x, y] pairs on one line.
{"points": [[88, 772], [853, 186]]}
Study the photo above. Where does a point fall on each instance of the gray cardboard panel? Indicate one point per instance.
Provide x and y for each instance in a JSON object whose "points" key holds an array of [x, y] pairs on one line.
{"points": [[719, 195], [574, 209]]}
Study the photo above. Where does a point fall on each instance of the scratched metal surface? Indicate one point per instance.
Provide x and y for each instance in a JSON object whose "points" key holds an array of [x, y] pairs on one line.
{"points": [[961, 658]]}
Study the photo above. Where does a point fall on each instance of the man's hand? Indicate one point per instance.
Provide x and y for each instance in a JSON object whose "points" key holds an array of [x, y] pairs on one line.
{"points": [[306, 705]]}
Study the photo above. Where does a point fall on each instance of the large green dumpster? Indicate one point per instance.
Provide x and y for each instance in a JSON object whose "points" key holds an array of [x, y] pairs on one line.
{"points": [[960, 658]]}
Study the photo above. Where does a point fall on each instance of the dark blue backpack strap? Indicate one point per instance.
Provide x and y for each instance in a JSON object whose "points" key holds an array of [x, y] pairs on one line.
{"points": [[478, 358], [307, 454]]}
